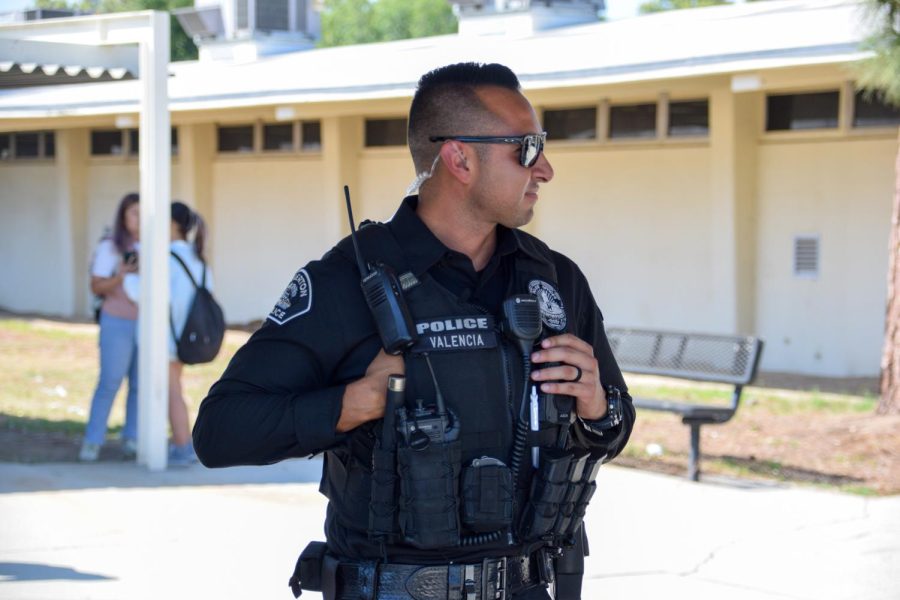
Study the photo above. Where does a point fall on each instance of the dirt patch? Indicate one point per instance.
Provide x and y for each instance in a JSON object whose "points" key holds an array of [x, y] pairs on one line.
{"points": [[23, 442], [860, 453]]}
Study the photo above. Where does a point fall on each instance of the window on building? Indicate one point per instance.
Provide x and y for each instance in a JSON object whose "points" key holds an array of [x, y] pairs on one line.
{"points": [[571, 124], [28, 145], [385, 132], [49, 144], [787, 112], [871, 110], [806, 256], [134, 141], [235, 138], [278, 137], [632, 121], [311, 136], [106, 142], [689, 118], [275, 137]]}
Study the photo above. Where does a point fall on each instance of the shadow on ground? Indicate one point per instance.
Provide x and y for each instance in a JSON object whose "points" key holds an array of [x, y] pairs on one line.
{"points": [[36, 572], [788, 472], [24, 478], [777, 474]]}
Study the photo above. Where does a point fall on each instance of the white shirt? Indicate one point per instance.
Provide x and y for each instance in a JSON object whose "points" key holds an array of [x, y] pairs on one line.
{"points": [[181, 289], [106, 259], [105, 263]]}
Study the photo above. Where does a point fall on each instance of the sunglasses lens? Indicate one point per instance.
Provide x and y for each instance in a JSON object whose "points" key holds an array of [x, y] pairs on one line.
{"points": [[531, 150]]}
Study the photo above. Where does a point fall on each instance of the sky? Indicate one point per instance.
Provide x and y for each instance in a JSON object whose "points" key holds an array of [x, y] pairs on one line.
{"points": [[11, 5]]}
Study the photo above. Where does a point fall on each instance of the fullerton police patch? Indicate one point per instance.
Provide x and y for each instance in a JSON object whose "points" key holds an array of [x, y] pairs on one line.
{"points": [[455, 333], [295, 301], [553, 314]]}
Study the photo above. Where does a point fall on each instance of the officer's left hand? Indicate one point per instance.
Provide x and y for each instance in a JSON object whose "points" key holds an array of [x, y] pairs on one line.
{"points": [[573, 352]]}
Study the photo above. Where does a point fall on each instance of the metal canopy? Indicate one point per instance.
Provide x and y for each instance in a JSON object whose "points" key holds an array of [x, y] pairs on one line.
{"points": [[27, 63]]}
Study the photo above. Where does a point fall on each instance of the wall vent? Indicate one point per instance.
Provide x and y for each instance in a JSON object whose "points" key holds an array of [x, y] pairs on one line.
{"points": [[806, 256]]}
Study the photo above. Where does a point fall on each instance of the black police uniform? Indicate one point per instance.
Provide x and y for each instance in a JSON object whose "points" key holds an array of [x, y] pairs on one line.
{"points": [[280, 396]]}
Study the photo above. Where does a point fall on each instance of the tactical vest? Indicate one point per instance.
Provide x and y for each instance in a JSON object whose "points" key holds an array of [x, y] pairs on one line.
{"points": [[479, 371]]}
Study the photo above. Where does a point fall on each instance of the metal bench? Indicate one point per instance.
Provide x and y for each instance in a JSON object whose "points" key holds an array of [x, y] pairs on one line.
{"points": [[695, 356]]}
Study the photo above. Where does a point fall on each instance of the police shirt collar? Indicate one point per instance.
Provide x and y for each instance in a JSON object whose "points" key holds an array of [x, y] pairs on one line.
{"points": [[423, 249]]}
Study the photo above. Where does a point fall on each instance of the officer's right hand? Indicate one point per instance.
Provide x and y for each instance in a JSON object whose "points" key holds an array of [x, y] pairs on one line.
{"points": [[365, 398]]}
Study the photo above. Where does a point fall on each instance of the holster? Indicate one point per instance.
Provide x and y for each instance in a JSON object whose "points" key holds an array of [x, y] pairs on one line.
{"points": [[315, 571], [570, 569]]}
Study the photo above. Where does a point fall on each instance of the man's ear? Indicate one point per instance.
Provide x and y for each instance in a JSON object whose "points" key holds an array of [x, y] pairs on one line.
{"points": [[456, 161]]}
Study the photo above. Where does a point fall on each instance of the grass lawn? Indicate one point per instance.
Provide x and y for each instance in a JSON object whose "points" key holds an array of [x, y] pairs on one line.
{"points": [[50, 370], [812, 437]]}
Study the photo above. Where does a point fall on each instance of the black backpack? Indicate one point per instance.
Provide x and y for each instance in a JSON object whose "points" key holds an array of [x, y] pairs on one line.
{"points": [[204, 328]]}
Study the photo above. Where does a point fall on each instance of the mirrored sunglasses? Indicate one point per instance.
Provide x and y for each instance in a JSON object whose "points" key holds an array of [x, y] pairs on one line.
{"points": [[531, 144]]}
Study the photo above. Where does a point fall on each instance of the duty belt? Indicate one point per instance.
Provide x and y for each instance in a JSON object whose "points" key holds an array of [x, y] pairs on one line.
{"points": [[492, 579]]}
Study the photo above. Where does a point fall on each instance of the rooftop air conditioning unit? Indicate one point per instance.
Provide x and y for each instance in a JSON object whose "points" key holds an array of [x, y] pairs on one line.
{"points": [[201, 23]]}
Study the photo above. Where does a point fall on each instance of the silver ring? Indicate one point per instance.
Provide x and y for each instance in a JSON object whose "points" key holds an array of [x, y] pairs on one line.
{"points": [[578, 376]]}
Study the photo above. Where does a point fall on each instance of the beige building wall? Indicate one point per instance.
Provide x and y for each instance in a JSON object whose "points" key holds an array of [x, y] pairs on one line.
{"points": [[107, 182], [384, 174], [270, 221], [636, 220], [31, 249], [840, 190]]}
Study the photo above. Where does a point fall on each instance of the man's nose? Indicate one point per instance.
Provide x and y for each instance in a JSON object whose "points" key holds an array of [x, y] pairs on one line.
{"points": [[542, 169]]}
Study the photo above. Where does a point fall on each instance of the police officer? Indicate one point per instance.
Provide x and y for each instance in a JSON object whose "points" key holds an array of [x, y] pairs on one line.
{"points": [[314, 378]]}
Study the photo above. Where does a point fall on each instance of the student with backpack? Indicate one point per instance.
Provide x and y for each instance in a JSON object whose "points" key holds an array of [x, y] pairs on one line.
{"points": [[196, 325]]}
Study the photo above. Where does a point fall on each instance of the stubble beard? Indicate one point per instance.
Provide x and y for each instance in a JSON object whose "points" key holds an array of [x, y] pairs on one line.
{"points": [[487, 205]]}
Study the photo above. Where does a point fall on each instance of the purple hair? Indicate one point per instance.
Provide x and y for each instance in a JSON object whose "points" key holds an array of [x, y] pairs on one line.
{"points": [[123, 240]]}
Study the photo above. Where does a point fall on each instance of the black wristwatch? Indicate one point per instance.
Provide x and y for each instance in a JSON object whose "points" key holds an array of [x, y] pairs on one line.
{"points": [[613, 412]]}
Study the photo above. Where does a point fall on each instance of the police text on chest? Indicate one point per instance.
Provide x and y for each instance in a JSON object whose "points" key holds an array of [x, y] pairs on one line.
{"points": [[455, 333]]}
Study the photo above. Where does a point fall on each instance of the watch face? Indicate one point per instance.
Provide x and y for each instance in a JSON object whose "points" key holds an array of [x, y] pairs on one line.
{"points": [[614, 399], [613, 412]]}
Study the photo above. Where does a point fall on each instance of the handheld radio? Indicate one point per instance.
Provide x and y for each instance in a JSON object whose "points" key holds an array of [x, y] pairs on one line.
{"points": [[384, 296], [432, 423]]}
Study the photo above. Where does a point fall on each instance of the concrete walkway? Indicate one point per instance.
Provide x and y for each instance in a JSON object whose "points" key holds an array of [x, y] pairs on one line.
{"points": [[116, 531]]}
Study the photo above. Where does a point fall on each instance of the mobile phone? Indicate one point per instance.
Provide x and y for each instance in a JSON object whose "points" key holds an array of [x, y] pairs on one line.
{"points": [[129, 257]]}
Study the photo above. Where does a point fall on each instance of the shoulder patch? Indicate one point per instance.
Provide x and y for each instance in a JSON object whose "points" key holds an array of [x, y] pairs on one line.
{"points": [[553, 314], [295, 301]]}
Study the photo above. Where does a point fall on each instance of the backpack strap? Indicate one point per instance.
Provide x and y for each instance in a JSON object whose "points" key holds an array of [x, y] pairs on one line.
{"points": [[196, 287], [188, 271]]}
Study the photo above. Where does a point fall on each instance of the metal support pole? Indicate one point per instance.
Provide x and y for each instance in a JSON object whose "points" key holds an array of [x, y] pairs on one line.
{"points": [[694, 460], [155, 175]]}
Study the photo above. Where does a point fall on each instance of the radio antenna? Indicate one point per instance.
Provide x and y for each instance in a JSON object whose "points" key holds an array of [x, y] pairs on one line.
{"points": [[363, 270], [438, 397]]}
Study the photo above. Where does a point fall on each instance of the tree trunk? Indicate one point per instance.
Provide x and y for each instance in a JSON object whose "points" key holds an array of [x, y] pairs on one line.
{"points": [[890, 357]]}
